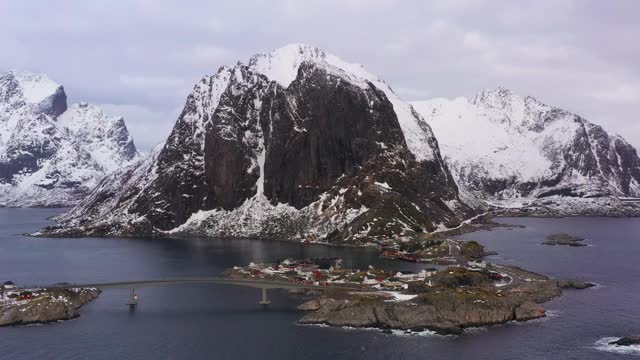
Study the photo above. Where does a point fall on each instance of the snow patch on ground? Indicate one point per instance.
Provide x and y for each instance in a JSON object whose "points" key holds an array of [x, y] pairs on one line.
{"points": [[397, 296], [383, 185]]}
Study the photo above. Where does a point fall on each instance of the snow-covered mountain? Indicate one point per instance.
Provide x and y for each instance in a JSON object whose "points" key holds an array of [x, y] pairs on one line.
{"points": [[511, 150], [52, 155], [297, 141]]}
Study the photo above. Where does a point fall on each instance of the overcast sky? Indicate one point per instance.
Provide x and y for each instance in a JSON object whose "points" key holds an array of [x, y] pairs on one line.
{"points": [[140, 58]]}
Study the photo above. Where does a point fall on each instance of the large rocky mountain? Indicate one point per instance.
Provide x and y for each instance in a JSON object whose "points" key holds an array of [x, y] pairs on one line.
{"points": [[52, 154], [515, 151], [294, 142]]}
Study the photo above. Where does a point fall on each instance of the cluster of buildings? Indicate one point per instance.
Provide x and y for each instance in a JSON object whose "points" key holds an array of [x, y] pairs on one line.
{"points": [[329, 272], [9, 291]]}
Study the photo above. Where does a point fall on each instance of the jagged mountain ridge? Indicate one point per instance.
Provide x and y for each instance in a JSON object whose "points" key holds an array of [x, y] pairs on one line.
{"points": [[51, 154], [502, 147], [296, 141]]}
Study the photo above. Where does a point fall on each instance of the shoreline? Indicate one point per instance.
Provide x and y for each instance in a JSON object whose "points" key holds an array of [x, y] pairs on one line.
{"points": [[453, 315], [548, 207], [43, 306], [445, 301], [500, 312]]}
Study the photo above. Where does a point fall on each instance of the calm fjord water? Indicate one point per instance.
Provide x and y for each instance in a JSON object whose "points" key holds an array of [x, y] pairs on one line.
{"points": [[225, 322]]}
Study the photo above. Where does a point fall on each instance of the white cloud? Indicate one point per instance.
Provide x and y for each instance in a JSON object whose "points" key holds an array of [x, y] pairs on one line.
{"points": [[619, 93], [437, 27], [150, 81], [475, 41], [542, 52], [205, 54], [410, 94], [579, 56], [455, 5], [157, 88], [210, 52]]}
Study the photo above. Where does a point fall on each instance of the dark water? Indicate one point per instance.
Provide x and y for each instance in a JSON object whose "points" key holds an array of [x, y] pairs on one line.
{"points": [[225, 322]]}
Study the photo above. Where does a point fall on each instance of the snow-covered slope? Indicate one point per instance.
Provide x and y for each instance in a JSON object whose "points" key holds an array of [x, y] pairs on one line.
{"points": [[501, 146], [296, 141], [51, 155]]}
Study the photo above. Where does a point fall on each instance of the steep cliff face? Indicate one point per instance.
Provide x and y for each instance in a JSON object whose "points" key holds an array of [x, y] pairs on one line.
{"points": [[501, 147], [295, 142], [52, 155]]}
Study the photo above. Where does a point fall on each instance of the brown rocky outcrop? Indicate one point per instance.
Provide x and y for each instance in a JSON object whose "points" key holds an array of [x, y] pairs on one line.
{"points": [[444, 310], [48, 307]]}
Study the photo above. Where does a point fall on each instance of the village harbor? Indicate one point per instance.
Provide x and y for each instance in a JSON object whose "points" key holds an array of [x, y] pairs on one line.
{"points": [[455, 290], [445, 300]]}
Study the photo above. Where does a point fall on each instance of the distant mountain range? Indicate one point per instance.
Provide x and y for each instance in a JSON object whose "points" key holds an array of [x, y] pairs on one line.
{"points": [[511, 151], [51, 154], [298, 141]]}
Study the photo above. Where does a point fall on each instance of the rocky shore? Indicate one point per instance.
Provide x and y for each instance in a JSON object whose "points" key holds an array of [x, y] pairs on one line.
{"points": [[627, 341], [443, 309], [470, 293], [44, 306]]}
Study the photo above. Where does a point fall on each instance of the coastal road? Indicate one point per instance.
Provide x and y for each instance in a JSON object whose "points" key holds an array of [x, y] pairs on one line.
{"points": [[515, 278]]}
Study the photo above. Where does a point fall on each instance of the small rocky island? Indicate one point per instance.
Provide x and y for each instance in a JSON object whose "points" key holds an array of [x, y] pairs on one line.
{"points": [[40, 306], [468, 293], [564, 239], [627, 341]]}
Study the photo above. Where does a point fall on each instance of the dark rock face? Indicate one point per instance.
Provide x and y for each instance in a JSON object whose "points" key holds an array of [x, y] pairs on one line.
{"points": [[231, 139], [609, 162], [24, 156], [341, 133], [121, 137], [56, 104], [326, 151]]}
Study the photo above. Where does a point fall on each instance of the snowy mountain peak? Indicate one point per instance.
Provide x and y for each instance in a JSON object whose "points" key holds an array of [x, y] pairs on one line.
{"points": [[282, 64], [35, 87], [523, 113], [494, 96], [52, 155], [34, 91], [106, 138], [502, 100]]}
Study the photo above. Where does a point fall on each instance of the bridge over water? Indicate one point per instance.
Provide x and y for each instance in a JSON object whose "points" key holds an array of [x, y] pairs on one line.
{"points": [[254, 283]]}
